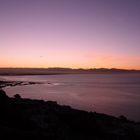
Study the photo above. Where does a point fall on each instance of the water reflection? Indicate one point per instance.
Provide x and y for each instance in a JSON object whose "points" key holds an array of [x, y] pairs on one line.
{"points": [[114, 94]]}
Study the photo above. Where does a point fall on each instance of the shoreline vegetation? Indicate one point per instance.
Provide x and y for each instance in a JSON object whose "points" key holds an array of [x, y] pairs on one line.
{"points": [[55, 71], [27, 118]]}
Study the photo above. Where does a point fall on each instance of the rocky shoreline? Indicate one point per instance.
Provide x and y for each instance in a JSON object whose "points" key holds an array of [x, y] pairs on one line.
{"points": [[38, 119], [16, 83]]}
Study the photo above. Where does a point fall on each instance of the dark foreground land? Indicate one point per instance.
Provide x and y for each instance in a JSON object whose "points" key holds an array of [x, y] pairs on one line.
{"points": [[38, 119]]}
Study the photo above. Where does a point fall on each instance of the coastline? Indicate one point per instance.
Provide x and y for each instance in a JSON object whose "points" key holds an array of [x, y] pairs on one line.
{"points": [[59, 71], [38, 119], [4, 83]]}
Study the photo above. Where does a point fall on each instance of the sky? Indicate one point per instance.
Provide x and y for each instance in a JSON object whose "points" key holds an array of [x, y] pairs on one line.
{"points": [[70, 33]]}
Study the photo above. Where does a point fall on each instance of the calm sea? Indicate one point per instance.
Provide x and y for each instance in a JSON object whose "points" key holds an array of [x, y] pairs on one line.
{"points": [[114, 94]]}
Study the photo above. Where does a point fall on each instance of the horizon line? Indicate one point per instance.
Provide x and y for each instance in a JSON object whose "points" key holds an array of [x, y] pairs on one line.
{"points": [[67, 68]]}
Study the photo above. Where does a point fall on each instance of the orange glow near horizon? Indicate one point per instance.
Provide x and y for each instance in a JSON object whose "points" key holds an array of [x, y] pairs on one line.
{"points": [[72, 53], [65, 61]]}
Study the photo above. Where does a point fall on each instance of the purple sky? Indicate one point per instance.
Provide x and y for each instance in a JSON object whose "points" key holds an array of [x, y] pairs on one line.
{"points": [[70, 33]]}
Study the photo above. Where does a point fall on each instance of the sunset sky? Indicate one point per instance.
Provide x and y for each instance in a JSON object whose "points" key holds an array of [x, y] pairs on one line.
{"points": [[70, 33]]}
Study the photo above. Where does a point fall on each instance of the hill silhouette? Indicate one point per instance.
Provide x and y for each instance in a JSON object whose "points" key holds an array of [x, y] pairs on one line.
{"points": [[48, 71]]}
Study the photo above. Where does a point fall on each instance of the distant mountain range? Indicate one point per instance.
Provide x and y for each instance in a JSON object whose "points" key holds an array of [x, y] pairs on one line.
{"points": [[49, 71]]}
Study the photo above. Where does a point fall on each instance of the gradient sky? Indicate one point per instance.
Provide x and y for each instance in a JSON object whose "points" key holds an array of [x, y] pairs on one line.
{"points": [[70, 33]]}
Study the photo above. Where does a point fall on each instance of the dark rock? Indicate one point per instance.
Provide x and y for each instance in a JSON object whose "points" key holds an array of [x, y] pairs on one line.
{"points": [[123, 118], [17, 96], [3, 96]]}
